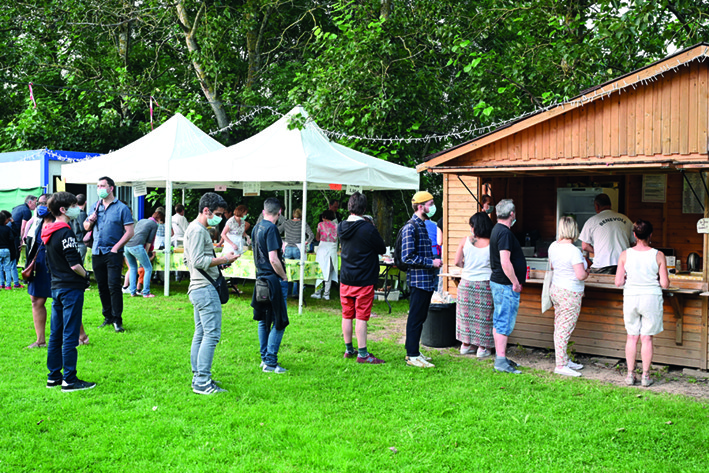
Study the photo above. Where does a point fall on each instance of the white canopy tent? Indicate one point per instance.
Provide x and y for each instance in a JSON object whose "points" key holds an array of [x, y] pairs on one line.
{"points": [[147, 161], [283, 158]]}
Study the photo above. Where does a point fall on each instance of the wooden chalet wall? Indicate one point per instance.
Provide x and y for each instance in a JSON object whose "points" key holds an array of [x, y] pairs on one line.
{"points": [[600, 329], [667, 117]]}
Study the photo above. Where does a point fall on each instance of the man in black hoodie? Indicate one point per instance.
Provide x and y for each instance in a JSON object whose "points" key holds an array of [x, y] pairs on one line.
{"points": [[69, 281], [361, 247]]}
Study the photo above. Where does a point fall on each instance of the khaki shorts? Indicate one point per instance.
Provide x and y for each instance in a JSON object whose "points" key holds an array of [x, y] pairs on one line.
{"points": [[643, 314]]}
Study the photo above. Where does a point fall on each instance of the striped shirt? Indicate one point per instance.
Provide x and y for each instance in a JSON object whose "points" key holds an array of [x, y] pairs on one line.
{"points": [[293, 229], [417, 253]]}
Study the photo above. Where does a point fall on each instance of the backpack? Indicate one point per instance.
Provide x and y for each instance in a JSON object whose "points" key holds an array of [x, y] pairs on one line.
{"points": [[398, 260]]}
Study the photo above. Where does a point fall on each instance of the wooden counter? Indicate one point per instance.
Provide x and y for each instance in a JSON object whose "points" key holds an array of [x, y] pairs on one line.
{"points": [[601, 331]]}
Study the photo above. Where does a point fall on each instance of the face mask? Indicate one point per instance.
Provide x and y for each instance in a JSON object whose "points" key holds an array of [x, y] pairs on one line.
{"points": [[102, 192], [513, 222], [214, 221], [489, 210], [244, 217], [42, 211], [72, 212], [431, 211]]}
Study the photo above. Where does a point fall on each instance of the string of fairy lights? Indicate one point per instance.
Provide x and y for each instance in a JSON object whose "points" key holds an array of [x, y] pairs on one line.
{"points": [[465, 132]]}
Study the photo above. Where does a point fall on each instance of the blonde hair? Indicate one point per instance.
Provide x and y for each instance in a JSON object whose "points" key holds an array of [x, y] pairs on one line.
{"points": [[297, 213], [568, 229]]}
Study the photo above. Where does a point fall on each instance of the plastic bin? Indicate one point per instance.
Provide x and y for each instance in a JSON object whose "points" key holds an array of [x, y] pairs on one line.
{"points": [[439, 328]]}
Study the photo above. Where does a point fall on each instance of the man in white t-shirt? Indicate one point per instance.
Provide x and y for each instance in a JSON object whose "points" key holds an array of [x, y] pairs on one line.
{"points": [[607, 234], [179, 225]]}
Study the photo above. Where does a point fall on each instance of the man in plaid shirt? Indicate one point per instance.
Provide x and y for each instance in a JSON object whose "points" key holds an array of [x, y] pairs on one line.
{"points": [[421, 277]]}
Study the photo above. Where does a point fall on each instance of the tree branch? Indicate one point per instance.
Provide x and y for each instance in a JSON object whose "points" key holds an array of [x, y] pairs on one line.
{"points": [[524, 89]]}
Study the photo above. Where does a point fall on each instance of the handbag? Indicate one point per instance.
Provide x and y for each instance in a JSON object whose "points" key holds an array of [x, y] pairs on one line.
{"points": [[220, 285], [261, 291], [28, 272], [546, 289]]}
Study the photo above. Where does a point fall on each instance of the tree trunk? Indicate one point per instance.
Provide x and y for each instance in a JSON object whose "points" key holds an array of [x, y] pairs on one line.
{"points": [[381, 209], [254, 40], [208, 88], [385, 10]]}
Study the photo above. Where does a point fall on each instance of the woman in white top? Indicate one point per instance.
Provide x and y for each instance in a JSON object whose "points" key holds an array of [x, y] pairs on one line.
{"points": [[234, 235], [473, 313], [643, 270], [570, 270]]}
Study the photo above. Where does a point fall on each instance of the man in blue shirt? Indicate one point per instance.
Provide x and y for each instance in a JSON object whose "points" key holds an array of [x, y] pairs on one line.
{"points": [[21, 215], [112, 225], [416, 252]]}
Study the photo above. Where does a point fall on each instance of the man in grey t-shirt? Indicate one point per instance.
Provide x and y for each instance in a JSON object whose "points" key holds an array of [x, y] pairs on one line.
{"points": [[202, 262]]}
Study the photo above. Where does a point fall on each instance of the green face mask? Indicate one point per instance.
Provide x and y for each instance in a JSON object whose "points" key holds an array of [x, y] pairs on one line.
{"points": [[102, 192], [431, 211], [214, 221]]}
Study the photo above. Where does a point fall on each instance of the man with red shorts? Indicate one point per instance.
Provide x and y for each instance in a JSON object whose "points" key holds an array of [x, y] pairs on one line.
{"points": [[361, 247]]}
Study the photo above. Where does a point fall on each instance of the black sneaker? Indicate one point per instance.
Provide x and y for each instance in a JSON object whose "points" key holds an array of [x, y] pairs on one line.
{"points": [[209, 388], [53, 383], [78, 385]]}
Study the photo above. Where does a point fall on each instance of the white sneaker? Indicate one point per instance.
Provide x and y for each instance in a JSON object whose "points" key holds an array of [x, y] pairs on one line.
{"points": [[326, 298], [574, 366], [419, 362], [465, 350], [566, 371], [316, 295], [483, 352]]}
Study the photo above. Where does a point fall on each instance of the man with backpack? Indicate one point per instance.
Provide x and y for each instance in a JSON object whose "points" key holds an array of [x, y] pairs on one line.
{"points": [[417, 256]]}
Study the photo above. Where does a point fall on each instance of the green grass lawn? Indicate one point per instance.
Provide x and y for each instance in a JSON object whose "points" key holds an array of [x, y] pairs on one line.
{"points": [[326, 414]]}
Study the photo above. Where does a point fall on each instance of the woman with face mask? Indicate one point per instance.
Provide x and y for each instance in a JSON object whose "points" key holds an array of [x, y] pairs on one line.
{"points": [[40, 287], [474, 307], [234, 236]]}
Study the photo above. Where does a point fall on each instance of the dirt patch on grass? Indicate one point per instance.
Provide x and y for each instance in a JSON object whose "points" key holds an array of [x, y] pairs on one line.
{"points": [[667, 379]]}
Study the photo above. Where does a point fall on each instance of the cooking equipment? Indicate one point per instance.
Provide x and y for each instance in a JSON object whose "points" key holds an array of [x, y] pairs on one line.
{"points": [[694, 262]]}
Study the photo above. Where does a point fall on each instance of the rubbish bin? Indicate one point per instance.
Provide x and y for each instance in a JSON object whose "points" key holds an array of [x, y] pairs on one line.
{"points": [[439, 328]]}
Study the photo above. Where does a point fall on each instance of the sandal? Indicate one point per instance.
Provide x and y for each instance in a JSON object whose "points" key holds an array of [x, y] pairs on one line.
{"points": [[630, 379], [84, 341], [37, 345]]}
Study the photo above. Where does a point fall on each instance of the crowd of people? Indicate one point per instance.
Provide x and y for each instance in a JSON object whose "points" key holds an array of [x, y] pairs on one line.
{"points": [[494, 271], [56, 227]]}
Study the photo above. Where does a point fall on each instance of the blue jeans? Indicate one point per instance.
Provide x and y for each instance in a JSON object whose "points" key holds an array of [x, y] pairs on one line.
{"points": [[13, 272], [67, 305], [135, 255], [292, 252], [269, 338], [207, 331], [506, 302], [5, 267]]}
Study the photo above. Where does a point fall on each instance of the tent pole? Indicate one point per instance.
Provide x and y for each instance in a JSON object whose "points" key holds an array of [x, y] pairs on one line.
{"points": [[304, 251], [183, 196], [168, 235]]}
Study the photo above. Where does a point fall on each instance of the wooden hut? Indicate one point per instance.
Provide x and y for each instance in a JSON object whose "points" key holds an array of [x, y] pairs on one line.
{"points": [[646, 135]]}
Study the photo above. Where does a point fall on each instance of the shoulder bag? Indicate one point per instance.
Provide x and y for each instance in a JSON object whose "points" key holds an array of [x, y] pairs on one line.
{"points": [[261, 290], [546, 289], [220, 284]]}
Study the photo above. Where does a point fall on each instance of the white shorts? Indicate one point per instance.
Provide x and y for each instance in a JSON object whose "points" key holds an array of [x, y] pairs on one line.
{"points": [[643, 314]]}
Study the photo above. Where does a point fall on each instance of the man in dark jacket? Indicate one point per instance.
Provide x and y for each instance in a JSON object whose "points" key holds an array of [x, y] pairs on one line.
{"points": [[69, 281], [272, 316], [361, 245]]}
